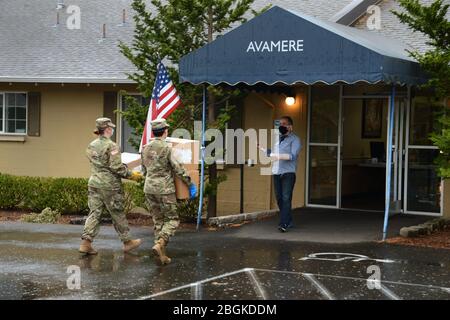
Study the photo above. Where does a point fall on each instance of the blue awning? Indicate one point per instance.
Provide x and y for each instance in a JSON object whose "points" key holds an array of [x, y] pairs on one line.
{"points": [[280, 46]]}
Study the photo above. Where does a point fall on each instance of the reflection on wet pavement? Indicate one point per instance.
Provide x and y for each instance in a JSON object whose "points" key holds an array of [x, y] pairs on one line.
{"points": [[278, 285], [213, 265]]}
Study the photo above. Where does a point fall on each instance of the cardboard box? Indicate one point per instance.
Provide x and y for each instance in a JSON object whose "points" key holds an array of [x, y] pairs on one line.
{"points": [[181, 189], [131, 160], [186, 151]]}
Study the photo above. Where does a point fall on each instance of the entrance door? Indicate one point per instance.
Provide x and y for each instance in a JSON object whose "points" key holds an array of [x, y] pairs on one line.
{"points": [[422, 191], [348, 148], [323, 147], [363, 152]]}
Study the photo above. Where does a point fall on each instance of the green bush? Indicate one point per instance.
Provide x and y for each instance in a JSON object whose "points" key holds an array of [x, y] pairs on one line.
{"points": [[12, 191], [68, 195], [134, 196], [188, 210], [46, 216]]}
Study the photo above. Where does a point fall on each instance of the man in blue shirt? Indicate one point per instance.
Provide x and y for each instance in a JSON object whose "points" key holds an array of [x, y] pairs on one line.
{"points": [[284, 158]]}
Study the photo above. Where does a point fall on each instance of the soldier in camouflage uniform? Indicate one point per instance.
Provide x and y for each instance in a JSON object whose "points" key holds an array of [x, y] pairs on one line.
{"points": [[159, 167], [105, 188]]}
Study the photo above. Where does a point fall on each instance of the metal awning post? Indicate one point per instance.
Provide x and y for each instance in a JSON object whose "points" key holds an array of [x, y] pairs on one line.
{"points": [[389, 162], [202, 161]]}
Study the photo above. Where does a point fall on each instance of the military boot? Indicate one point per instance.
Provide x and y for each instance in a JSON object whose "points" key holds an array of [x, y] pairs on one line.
{"points": [[159, 251], [131, 244], [86, 247]]}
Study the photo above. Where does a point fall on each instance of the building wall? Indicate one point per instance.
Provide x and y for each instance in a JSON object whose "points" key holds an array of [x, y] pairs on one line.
{"points": [[446, 192], [68, 116], [260, 111]]}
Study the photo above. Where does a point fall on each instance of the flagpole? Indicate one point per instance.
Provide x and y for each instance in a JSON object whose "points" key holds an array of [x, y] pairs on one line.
{"points": [[148, 124], [202, 161]]}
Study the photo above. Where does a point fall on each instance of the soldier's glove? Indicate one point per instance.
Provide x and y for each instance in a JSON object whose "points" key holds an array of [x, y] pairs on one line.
{"points": [[192, 191], [136, 176]]}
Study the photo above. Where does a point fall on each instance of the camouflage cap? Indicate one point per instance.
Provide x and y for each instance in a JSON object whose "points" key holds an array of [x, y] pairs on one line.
{"points": [[159, 124], [103, 123]]}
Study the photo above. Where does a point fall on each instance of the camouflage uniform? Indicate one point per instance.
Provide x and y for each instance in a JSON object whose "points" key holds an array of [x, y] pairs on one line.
{"points": [[159, 167], [105, 186]]}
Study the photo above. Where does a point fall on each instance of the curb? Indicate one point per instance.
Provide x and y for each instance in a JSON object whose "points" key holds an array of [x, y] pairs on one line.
{"points": [[425, 228], [82, 220], [224, 221]]}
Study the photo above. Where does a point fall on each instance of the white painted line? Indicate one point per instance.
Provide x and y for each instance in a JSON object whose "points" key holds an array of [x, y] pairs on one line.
{"points": [[429, 286], [196, 291], [256, 284], [190, 284], [324, 291], [388, 293], [310, 276], [345, 256]]}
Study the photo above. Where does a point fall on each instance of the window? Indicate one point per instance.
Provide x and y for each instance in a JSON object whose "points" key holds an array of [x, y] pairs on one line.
{"points": [[13, 113], [127, 131]]}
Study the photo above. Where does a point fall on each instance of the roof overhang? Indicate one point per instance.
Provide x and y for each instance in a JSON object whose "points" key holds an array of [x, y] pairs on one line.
{"points": [[66, 80], [353, 11], [280, 46]]}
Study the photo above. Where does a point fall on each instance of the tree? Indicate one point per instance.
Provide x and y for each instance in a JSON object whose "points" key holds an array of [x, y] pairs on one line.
{"points": [[173, 29], [432, 21]]}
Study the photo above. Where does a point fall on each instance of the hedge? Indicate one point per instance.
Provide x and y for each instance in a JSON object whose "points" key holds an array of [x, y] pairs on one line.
{"points": [[66, 195], [69, 196]]}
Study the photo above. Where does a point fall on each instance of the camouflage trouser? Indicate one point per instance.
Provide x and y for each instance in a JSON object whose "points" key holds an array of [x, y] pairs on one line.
{"points": [[163, 208], [111, 201]]}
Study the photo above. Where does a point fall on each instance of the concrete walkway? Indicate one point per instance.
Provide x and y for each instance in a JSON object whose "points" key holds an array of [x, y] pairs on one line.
{"points": [[330, 226]]}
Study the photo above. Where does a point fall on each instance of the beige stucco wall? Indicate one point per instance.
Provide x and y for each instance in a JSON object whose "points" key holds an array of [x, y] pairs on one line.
{"points": [[446, 199], [260, 111], [68, 116]]}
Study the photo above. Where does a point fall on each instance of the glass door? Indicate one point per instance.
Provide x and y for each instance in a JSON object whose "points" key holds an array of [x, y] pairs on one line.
{"points": [[422, 192], [363, 152], [324, 146], [397, 153]]}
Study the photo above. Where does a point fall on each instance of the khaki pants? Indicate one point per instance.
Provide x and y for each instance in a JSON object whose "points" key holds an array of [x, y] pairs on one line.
{"points": [[112, 202], [163, 208]]}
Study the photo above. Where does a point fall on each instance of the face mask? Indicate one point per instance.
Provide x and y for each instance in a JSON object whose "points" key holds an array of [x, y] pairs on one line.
{"points": [[112, 132], [283, 130]]}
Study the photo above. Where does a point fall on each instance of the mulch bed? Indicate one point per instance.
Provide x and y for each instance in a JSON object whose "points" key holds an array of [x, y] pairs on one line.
{"points": [[10, 215], [438, 239], [134, 219]]}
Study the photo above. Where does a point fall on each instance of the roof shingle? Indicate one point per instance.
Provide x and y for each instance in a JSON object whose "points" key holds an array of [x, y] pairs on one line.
{"points": [[32, 49]]}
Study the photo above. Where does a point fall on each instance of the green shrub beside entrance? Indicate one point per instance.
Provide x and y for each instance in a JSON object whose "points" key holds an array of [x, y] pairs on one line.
{"points": [[53, 196], [66, 195]]}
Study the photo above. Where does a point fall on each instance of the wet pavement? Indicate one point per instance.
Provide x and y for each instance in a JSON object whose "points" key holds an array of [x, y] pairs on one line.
{"points": [[34, 262]]}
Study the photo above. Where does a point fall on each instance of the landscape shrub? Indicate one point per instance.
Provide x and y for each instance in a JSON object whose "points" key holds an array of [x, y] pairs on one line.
{"points": [[70, 196], [67, 195], [46, 216]]}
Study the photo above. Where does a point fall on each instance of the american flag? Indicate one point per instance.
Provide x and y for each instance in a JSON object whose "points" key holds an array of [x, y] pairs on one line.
{"points": [[165, 100]]}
